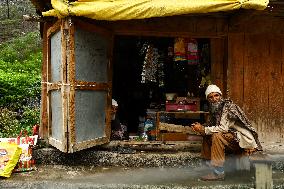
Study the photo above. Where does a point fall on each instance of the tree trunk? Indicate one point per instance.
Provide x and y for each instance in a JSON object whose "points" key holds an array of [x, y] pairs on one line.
{"points": [[8, 10]]}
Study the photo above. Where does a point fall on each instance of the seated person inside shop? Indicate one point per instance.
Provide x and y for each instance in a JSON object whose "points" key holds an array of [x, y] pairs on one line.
{"points": [[118, 130], [228, 129]]}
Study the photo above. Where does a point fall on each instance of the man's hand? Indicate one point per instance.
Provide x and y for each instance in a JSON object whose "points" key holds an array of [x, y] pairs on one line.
{"points": [[197, 127]]}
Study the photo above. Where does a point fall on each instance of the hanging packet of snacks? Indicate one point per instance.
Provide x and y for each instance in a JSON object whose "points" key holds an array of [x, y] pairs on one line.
{"points": [[180, 49], [192, 51], [9, 157]]}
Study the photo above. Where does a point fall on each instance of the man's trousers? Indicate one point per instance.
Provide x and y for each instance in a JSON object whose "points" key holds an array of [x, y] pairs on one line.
{"points": [[215, 147]]}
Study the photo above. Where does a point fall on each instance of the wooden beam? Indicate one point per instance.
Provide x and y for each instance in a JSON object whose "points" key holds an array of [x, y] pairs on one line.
{"points": [[175, 26], [240, 17], [34, 18]]}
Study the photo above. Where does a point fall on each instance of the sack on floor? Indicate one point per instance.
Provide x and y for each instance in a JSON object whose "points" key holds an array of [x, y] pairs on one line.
{"points": [[9, 157]]}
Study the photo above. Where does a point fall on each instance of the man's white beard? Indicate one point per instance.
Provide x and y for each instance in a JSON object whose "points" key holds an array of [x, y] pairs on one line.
{"points": [[215, 106]]}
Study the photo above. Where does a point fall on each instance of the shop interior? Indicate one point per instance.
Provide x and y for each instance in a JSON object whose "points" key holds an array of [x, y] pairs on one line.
{"points": [[153, 74]]}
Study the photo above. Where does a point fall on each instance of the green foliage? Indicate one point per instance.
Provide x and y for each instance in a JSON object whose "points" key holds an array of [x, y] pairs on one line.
{"points": [[21, 48], [29, 118], [20, 74], [12, 123], [20, 84], [15, 8], [9, 124]]}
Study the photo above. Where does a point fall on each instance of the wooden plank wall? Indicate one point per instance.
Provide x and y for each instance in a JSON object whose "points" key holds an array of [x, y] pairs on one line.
{"points": [[276, 86], [236, 68], [255, 76], [218, 62], [256, 79]]}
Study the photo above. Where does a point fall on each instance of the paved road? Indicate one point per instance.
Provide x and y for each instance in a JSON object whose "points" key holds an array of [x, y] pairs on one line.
{"points": [[112, 170], [51, 176]]}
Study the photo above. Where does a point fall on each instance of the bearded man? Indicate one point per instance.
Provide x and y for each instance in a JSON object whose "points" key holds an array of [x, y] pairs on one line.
{"points": [[228, 129]]}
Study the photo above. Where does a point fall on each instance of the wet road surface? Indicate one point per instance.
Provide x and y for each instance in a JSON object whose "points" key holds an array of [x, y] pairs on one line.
{"points": [[51, 176]]}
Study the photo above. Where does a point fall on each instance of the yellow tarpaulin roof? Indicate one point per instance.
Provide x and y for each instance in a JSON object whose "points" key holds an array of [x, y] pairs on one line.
{"points": [[140, 9]]}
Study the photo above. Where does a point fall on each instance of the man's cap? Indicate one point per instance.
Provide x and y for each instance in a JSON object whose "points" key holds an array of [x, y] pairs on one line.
{"points": [[212, 89]]}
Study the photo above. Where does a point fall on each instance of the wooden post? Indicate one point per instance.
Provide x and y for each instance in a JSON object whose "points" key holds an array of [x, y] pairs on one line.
{"points": [[158, 126], [43, 129]]}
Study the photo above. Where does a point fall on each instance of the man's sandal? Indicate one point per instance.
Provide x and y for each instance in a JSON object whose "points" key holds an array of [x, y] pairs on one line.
{"points": [[213, 177]]}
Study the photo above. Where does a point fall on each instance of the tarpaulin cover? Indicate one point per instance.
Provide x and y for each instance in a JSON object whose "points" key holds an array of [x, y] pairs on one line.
{"points": [[140, 9]]}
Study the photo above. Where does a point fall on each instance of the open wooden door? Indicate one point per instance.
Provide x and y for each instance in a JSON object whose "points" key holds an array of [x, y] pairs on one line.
{"points": [[79, 86], [89, 74]]}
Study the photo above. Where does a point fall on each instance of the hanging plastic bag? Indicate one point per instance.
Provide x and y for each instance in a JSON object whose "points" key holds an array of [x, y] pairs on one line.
{"points": [[9, 157], [26, 161], [31, 140], [192, 51], [180, 49], [26, 143]]}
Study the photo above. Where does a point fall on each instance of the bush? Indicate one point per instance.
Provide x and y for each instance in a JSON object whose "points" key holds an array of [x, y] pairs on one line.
{"points": [[20, 73], [9, 124], [17, 8], [21, 48], [12, 123], [20, 84], [29, 118]]}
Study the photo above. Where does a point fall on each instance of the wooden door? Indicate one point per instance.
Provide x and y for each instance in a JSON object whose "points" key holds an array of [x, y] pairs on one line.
{"points": [[89, 74], [79, 85]]}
